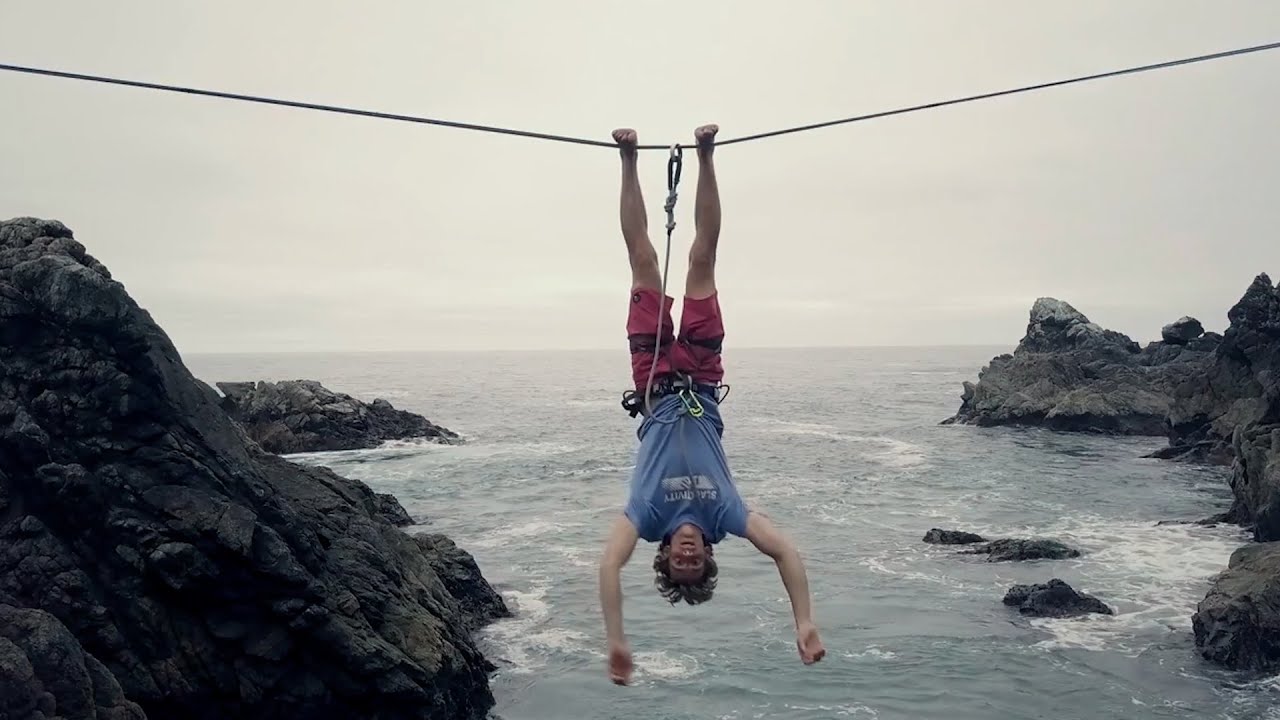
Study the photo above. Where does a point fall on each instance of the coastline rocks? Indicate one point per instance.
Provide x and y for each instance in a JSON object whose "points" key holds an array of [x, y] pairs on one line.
{"points": [[209, 578], [1231, 415], [936, 536], [1237, 625], [1054, 599], [295, 416], [1182, 331], [1002, 550], [1070, 374], [461, 576], [1019, 550], [46, 674]]}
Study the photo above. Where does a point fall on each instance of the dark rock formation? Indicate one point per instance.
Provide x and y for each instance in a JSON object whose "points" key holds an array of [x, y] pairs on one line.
{"points": [[952, 537], [1019, 549], [391, 510], [1069, 374], [1237, 625], [461, 577], [1054, 599], [46, 674], [1182, 331], [202, 576], [303, 416], [1231, 413]]}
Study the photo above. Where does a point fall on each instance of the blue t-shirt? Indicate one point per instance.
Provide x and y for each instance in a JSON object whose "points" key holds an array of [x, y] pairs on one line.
{"points": [[682, 475]]}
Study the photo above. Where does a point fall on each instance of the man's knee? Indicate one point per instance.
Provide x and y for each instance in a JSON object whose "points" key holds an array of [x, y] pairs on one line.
{"points": [[702, 260], [644, 269]]}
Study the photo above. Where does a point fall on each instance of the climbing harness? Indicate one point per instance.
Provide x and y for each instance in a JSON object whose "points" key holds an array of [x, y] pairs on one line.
{"points": [[682, 384]]}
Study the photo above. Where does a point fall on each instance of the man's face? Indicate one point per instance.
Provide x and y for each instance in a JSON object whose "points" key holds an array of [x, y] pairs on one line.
{"points": [[687, 555]]}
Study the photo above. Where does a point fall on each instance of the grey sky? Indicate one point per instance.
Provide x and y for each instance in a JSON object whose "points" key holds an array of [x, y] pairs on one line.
{"points": [[243, 227]]}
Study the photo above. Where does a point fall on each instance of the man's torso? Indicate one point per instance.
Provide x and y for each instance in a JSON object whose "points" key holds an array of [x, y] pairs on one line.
{"points": [[682, 474]]}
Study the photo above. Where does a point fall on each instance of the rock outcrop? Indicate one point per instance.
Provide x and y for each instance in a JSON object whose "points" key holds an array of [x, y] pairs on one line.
{"points": [[1182, 331], [1022, 549], [937, 536], [296, 416], [1054, 599], [46, 674], [1228, 414], [195, 574], [1237, 625], [1004, 549], [1070, 374]]}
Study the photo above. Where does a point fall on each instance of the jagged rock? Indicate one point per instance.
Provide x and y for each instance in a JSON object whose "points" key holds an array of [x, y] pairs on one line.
{"points": [[391, 510], [952, 537], [1070, 374], [1054, 599], [1239, 388], [1182, 331], [209, 578], [296, 416], [461, 576], [1237, 624], [45, 673], [1020, 549]]}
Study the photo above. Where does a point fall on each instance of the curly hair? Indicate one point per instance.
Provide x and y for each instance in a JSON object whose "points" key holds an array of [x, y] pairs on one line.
{"points": [[673, 592]]}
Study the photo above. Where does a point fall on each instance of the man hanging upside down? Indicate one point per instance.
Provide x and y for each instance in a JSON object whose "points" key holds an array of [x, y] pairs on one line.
{"points": [[682, 493]]}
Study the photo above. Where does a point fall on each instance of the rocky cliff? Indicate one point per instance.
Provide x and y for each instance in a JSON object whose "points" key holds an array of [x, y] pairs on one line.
{"points": [[1217, 398], [304, 416], [154, 560], [1070, 374]]}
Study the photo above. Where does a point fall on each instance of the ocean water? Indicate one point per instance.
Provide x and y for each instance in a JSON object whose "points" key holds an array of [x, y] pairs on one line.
{"points": [[843, 448]]}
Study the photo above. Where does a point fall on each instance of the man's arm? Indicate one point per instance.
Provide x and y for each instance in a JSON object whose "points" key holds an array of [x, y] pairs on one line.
{"points": [[771, 541], [617, 551]]}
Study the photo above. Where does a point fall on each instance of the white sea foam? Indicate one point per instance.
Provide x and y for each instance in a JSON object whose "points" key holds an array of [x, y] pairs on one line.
{"points": [[875, 448], [506, 534], [1151, 575], [527, 641]]}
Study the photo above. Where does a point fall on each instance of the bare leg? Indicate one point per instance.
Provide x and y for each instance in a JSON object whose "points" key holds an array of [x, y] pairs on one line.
{"points": [[701, 280], [635, 221]]}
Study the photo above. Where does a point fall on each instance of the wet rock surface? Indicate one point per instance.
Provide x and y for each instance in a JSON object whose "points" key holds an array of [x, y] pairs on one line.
{"points": [[1054, 599], [1070, 374], [1237, 625], [936, 536], [296, 416], [1023, 549]]}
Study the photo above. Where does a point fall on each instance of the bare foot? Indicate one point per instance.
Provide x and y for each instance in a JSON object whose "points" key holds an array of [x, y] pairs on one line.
{"points": [[626, 139], [706, 137]]}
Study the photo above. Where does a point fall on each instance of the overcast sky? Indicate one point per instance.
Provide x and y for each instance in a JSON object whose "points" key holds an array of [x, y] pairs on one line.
{"points": [[245, 227]]}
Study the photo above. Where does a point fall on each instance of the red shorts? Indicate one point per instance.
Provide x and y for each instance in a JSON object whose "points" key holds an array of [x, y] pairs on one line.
{"points": [[696, 350]]}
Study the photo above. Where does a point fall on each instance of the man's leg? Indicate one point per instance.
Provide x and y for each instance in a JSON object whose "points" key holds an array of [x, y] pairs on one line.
{"points": [[701, 326], [646, 278], [701, 281]]}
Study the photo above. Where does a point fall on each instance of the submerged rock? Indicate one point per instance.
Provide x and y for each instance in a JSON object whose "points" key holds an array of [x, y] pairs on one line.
{"points": [[1019, 549], [200, 575], [1237, 624], [952, 537], [1054, 599], [1070, 374], [296, 416]]}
